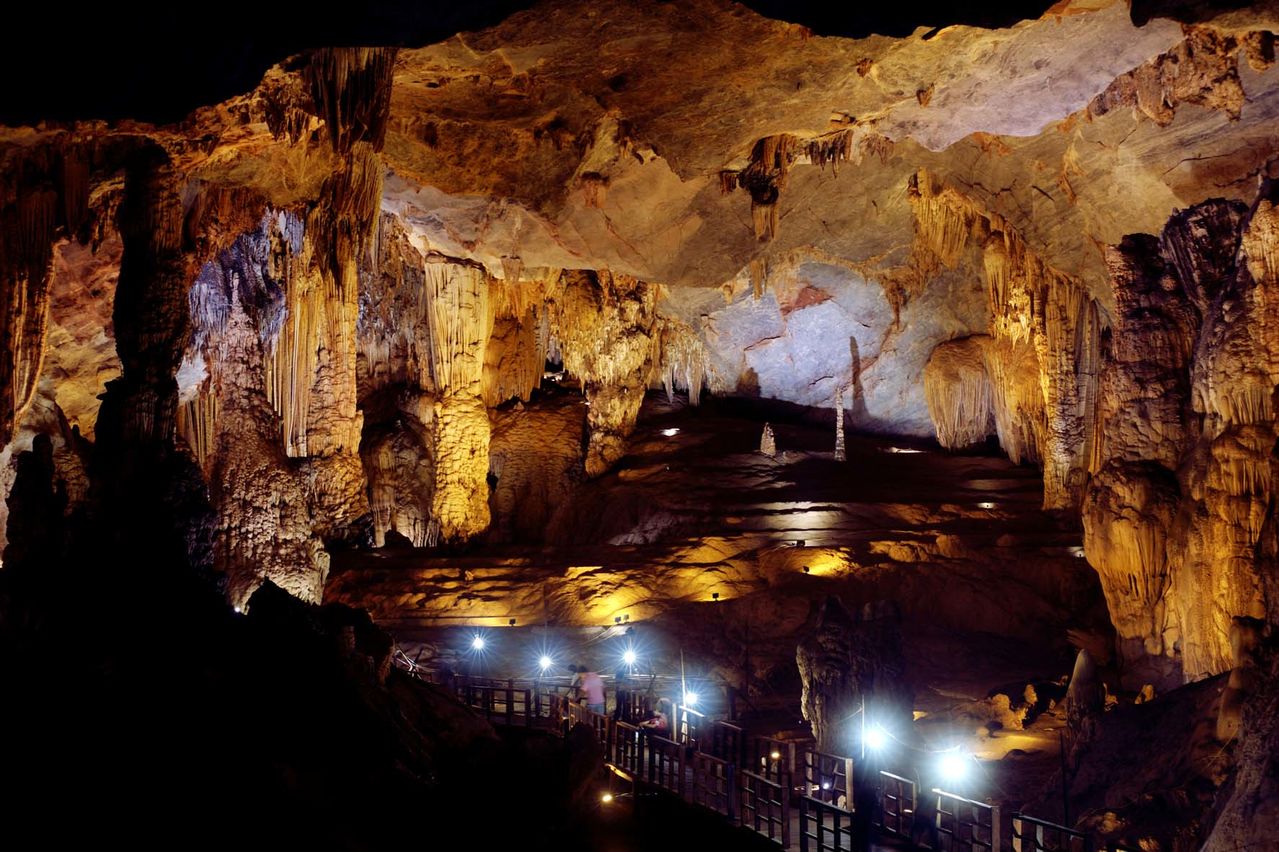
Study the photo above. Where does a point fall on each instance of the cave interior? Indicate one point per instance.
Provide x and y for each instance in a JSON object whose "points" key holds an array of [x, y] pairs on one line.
{"points": [[860, 399]]}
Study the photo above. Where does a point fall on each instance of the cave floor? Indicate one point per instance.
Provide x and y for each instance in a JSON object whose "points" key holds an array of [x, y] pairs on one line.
{"points": [[716, 559]]}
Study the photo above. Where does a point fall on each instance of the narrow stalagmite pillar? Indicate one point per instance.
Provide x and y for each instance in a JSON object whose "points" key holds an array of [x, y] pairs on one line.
{"points": [[767, 442], [840, 453]]}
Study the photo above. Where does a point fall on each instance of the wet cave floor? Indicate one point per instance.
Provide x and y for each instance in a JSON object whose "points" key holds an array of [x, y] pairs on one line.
{"points": [[710, 561]]}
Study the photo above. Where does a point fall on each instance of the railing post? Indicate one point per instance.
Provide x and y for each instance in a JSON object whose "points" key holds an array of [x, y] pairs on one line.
{"points": [[784, 795], [803, 826], [730, 788]]}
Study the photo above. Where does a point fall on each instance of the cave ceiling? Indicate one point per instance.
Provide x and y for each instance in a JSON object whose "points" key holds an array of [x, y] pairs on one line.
{"points": [[578, 135]]}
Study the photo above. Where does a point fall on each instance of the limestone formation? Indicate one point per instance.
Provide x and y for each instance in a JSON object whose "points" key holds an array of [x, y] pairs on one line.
{"points": [[768, 442], [853, 666], [1175, 507], [605, 326], [380, 296], [958, 389]]}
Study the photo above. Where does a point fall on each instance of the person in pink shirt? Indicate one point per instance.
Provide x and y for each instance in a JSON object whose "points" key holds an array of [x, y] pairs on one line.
{"points": [[591, 685]]}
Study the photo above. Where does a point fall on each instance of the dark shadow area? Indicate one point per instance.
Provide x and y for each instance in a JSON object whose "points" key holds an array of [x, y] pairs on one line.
{"points": [[153, 62], [157, 62]]}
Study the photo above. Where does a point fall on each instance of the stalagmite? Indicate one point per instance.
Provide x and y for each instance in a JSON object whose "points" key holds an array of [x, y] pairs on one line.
{"points": [[841, 453], [768, 442], [265, 526]]}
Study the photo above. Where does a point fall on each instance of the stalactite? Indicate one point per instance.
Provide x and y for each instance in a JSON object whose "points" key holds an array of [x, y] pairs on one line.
{"points": [[44, 192], [197, 424], [1017, 400], [683, 363], [606, 327], [764, 220], [460, 318], [958, 392], [1031, 305], [759, 276], [351, 90]]}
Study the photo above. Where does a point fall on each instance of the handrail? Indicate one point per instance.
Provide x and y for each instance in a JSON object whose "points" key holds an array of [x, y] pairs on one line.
{"points": [[714, 764], [972, 825], [1045, 836], [897, 805], [764, 806], [827, 823]]}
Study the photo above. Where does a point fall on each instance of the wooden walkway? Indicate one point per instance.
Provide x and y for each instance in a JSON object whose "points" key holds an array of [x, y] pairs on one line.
{"points": [[784, 790]]}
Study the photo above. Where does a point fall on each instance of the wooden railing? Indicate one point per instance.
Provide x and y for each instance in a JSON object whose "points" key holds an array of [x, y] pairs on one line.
{"points": [[1031, 834], [628, 748], [727, 742], [753, 780], [503, 704], [690, 726], [965, 825], [712, 783], [772, 758], [827, 778], [897, 805], [764, 806], [824, 827], [666, 764]]}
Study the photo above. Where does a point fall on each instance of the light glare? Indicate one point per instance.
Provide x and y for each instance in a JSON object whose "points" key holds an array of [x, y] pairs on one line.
{"points": [[477, 643], [690, 699], [629, 657], [876, 738], [606, 798], [670, 433], [954, 767], [545, 662]]}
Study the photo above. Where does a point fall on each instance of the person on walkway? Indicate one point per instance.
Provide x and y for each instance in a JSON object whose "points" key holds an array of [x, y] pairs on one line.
{"points": [[621, 695], [659, 722], [590, 684]]}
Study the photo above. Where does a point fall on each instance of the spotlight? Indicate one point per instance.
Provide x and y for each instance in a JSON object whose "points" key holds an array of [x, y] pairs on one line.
{"points": [[954, 767], [690, 699], [985, 505], [629, 657], [545, 662], [670, 433], [606, 798], [776, 755], [477, 644], [876, 738]]}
